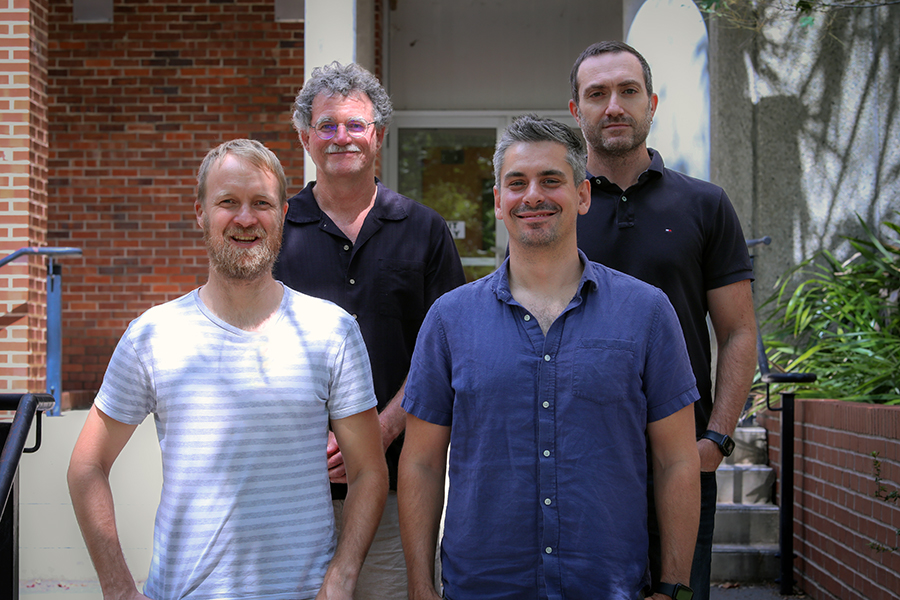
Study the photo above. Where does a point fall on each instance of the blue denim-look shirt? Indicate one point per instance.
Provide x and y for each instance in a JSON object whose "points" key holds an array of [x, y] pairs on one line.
{"points": [[548, 455]]}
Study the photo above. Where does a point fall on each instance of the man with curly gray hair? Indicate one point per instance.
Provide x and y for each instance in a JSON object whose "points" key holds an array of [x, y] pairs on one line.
{"points": [[378, 255]]}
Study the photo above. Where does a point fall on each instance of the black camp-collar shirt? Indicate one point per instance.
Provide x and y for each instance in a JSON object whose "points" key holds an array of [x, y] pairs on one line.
{"points": [[403, 259]]}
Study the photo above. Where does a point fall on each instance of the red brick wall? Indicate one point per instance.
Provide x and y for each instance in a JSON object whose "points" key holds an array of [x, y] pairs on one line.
{"points": [[133, 107], [835, 513], [23, 193]]}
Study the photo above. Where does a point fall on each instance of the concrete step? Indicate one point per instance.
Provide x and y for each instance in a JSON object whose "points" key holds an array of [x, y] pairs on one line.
{"points": [[745, 484], [745, 563], [746, 524], [750, 447]]}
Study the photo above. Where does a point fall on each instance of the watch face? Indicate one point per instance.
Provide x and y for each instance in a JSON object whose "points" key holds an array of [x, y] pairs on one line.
{"points": [[683, 592], [727, 446]]}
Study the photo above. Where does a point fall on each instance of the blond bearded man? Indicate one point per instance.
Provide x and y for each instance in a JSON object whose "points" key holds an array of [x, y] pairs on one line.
{"points": [[242, 377]]}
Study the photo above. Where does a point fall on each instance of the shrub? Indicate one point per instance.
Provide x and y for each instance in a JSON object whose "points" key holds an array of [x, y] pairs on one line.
{"points": [[841, 322]]}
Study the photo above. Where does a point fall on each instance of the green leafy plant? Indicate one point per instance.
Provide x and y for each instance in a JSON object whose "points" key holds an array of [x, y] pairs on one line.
{"points": [[841, 321], [882, 493]]}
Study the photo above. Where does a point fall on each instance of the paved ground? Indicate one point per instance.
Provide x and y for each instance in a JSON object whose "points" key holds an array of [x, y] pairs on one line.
{"points": [[740, 591], [46, 590]]}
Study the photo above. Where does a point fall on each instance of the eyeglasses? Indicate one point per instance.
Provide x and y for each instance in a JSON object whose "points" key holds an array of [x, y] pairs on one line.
{"points": [[355, 128]]}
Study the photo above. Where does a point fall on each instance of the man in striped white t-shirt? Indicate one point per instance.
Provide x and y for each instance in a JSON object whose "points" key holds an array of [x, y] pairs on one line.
{"points": [[242, 377]]}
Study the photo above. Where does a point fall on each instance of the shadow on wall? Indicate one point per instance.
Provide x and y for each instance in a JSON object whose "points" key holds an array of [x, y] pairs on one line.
{"points": [[828, 131]]}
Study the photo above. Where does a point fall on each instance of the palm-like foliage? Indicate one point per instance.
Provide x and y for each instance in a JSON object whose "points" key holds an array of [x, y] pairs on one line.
{"points": [[841, 322]]}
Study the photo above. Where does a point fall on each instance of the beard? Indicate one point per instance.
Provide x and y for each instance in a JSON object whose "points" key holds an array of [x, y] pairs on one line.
{"points": [[537, 236], [242, 264], [620, 145]]}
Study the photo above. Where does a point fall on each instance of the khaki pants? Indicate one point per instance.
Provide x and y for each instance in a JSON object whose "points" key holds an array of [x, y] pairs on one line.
{"points": [[383, 575]]}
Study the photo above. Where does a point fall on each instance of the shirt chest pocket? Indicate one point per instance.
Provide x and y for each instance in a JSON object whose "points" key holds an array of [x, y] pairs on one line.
{"points": [[401, 289], [605, 370]]}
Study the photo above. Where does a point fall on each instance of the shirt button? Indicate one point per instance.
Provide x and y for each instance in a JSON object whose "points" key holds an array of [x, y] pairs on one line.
{"points": [[547, 501], [352, 282], [346, 246], [624, 199], [546, 404], [527, 317], [548, 550], [598, 181], [354, 316], [547, 357], [546, 453]]}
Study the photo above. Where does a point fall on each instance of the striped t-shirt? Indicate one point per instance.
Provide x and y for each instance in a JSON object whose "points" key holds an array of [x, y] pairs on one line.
{"points": [[242, 420]]}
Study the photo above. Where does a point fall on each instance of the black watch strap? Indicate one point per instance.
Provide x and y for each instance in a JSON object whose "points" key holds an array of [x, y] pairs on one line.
{"points": [[725, 443], [676, 591]]}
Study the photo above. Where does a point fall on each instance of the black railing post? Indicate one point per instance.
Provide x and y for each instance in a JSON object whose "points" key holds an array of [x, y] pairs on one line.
{"points": [[787, 493], [13, 436], [786, 510]]}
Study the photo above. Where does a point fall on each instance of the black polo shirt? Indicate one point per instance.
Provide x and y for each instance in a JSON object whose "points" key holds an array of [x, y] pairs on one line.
{"points": [[675, 232], [403, 259]]}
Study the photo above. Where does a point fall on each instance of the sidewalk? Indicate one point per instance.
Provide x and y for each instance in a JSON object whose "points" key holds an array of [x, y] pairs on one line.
{"points": [[91, 591], [741, 591]]}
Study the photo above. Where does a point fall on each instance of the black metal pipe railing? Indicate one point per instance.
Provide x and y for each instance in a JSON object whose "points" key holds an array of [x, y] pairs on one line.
{"points": [[786, 508], [25, 405]]}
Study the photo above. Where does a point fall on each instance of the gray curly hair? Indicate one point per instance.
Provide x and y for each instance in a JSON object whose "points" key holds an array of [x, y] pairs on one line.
{"points": [[344, 80]]}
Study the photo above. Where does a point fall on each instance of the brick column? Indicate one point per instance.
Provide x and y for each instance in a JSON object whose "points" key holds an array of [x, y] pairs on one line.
{"points": [[23, 193]]}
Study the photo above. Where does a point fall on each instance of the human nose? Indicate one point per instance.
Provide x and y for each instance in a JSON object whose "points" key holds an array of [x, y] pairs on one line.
{"points": [[341, 135], [613, 107], [245, 216], [533, 195]]}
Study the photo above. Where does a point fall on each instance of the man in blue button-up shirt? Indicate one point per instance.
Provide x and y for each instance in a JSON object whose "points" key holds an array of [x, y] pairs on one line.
{"points": [[548, 379]]}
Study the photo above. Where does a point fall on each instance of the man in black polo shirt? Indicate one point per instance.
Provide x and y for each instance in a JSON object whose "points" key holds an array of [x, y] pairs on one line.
{"points": [[677, 233], [380, 256]]}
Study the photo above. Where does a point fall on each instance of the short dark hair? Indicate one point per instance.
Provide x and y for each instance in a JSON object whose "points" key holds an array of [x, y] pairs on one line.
{"points": [[614, 47], [336, 78], [531, 128]]}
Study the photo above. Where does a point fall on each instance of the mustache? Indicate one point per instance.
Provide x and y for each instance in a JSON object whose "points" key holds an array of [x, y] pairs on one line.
{"points": [[542, 206], [332, 148], [624, 119], [237, 231]]}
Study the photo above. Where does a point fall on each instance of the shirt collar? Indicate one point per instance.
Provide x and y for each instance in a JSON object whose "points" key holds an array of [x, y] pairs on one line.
{"points": [[388, 206], [654, 171], [590, 280]]}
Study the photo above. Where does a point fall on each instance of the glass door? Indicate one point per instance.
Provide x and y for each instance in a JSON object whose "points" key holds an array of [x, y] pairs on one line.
{"points": [[444, 160]]}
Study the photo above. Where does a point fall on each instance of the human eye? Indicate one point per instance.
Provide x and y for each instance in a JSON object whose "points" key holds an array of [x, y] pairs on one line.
{"points": [[326, 127], [356, 126]]}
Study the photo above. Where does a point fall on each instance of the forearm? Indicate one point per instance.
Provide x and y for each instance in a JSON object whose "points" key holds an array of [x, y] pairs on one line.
{"points": [[362, 512], [93, 504], [421, 501], [393, 418], [677, 495], [735, 367]]}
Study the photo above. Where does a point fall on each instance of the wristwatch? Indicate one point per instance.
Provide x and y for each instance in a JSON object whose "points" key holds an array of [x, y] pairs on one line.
{"points": [[676, 591], [725, 443]]}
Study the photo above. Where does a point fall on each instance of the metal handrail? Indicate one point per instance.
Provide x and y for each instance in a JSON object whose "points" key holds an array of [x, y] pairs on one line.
{"points": [[54, 314], [786, 509], [42, 250], [25, 405]]}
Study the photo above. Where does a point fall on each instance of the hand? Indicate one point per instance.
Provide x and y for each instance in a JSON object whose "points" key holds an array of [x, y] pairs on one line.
{"points": [[429, 594], [710, 456], [336, 586], [336, 471], [132, 595]]}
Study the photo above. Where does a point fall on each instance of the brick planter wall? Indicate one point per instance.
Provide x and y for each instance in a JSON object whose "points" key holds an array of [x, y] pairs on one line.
{"points": [[836, 515]]}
